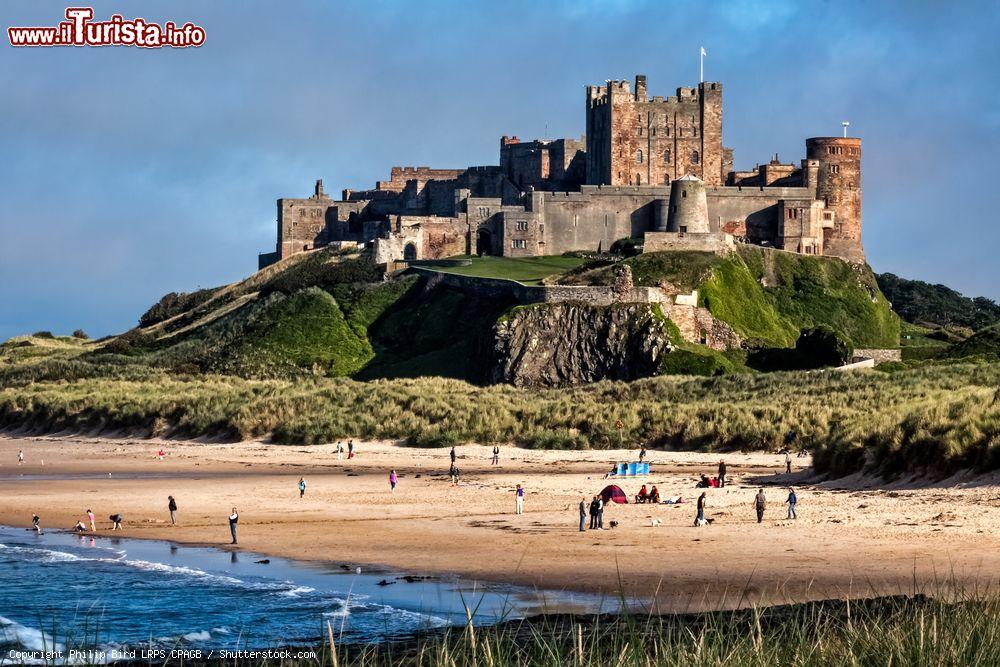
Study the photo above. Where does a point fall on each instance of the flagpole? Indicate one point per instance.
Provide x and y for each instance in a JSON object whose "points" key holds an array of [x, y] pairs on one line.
{"points": [[701, 76]]}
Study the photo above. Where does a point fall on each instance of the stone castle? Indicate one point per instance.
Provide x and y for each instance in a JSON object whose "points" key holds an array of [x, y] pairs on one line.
{"points": [[648, 167]]}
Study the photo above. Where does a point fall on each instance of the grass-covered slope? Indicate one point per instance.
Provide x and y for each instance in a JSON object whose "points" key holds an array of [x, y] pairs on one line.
{"points": [[769, 296], [985, 342]]}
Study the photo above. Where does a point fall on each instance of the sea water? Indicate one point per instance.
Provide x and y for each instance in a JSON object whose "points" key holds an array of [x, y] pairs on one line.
{"points": [[60, 591]]}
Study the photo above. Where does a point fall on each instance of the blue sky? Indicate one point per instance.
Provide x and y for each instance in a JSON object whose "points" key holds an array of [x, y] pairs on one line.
{"points": [[127, 173]]}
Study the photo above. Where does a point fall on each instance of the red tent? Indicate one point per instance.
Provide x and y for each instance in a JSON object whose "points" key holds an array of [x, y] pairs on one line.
{"points": [[612, 493]]}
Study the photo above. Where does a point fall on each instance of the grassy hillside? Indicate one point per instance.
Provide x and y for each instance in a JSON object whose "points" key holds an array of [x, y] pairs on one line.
{"points": [[985, 342], [768, 296]]}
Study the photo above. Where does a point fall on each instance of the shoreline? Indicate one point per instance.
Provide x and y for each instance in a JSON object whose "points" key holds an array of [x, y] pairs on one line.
{"points": [[470, 532]]}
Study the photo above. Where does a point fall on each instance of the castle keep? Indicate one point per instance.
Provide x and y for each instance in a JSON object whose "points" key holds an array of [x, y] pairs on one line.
{"points": [[652, 168]]}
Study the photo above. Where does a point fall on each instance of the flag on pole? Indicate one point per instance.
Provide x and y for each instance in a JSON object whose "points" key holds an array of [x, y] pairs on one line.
{"points": [[701, 65], [703, 52]]}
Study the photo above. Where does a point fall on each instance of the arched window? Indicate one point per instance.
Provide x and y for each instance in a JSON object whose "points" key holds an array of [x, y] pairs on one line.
{"points": [[666, 155], [695, 158], [638, 179], [638, 156]]}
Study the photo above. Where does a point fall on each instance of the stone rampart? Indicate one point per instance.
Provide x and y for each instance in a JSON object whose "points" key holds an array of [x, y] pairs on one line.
{"points": [[499, 288]]}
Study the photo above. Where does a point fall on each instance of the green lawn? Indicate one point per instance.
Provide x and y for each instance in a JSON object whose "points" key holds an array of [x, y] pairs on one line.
{"points": [[527, 270]]}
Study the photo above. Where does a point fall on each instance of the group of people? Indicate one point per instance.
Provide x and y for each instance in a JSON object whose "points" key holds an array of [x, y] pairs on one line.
{"points": [[645, 496], [759, 504], [340, 450], [596, 512]]}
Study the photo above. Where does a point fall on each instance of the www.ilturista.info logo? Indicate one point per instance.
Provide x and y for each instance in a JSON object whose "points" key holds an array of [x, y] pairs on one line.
{"points": [[80, 30]]}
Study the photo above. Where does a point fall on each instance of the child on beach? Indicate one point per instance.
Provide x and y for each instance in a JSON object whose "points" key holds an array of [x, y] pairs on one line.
{"points": [[392, 482], [36, 523], [172, 508], [233, 520], [116, 521], [340, 451], [20, 456], [90, 517], [350, 449], [519, 494], [496, 455], [302, 487]]}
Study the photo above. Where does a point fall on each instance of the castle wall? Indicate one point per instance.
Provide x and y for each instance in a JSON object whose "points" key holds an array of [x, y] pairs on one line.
{"points": [[663, 241]]}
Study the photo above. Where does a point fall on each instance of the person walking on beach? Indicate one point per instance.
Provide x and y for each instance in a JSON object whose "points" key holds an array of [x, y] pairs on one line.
{"points": [[36, 523], [519, 494], [350, 449], [642, 453], [453, 456], [699, 519], [302, 486], [340, 451], [20, 457], [234, 518], [583, 514], [788, 461], [760, 504], [496, 455], [90, 517], [172, 508], [593, 514], [722, 474], [392, 481], [600, 513], [792, 499]]}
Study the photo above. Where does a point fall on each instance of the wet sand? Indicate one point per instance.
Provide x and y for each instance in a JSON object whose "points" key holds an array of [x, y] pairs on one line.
{"points": [[850, 538]]}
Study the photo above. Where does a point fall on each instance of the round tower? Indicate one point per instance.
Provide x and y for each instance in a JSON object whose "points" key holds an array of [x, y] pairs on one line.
{"points": [[688, 206], [838, 183]]}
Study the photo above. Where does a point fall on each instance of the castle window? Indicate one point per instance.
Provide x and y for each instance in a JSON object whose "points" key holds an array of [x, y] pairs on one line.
{"points": [[668, 130], [666, 155], [522, 225], [684, 193], [640, 131], [638, 179], [834, 168], [518, 244], [695, 132], [695, 158], [638, 156]]}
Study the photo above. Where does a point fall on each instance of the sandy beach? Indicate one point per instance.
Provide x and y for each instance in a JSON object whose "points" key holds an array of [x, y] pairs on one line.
{"points": [[851, 537]]}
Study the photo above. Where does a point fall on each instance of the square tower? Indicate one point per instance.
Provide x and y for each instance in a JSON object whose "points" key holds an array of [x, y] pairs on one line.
{"points": [[635, 140]]}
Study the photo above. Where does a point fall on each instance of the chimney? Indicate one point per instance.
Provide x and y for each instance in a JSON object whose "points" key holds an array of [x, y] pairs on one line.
{"points": [[319, 188]]}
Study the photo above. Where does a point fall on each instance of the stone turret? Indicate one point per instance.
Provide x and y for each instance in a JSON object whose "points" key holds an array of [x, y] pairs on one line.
{"points": [[688, 206]]}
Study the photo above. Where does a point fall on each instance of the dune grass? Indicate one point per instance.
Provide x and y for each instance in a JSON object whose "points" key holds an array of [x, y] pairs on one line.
{"points": [[931, 420]]}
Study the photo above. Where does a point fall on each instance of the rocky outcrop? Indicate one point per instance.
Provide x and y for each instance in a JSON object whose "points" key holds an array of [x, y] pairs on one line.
{"points": [[570, 343]]}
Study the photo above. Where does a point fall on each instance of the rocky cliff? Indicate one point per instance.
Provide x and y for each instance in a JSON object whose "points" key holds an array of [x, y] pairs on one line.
{"points": [[568, 343]]}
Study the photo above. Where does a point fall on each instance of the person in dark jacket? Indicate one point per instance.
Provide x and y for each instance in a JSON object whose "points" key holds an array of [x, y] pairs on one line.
{"points": [[172, 508], [234, 518], [593, 513], [699, 519], [760, 504], [722, 474], [583, 514]]}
